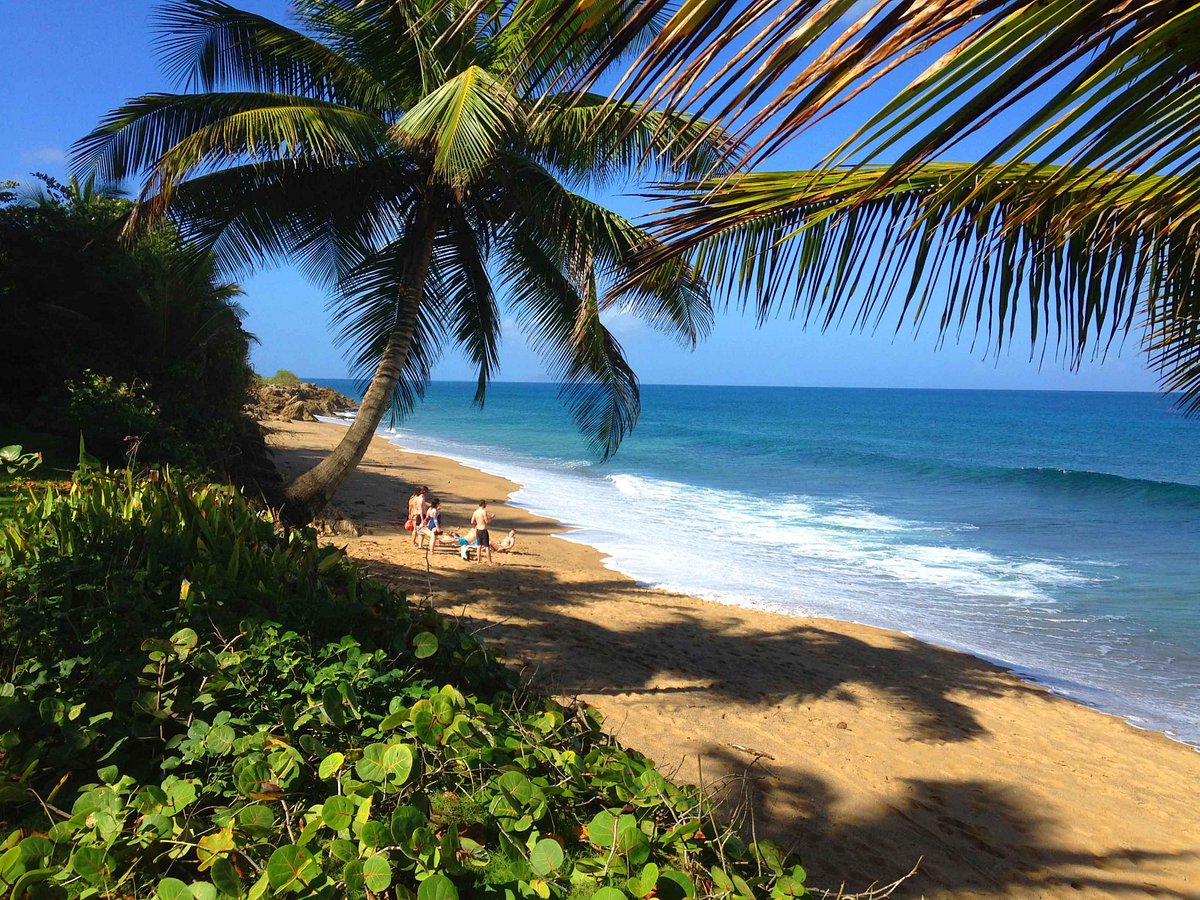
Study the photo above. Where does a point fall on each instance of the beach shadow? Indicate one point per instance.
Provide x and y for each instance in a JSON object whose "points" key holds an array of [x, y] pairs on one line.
{"points": [[798, 662], [963, 837]]}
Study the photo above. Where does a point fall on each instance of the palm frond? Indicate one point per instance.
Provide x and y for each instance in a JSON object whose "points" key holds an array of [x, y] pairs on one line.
{"points": [[365, 311], [209, 45], [667, 295], [561, 315], [460, 124], [985, 257], [595, 141], [171, 135], [327, 218], [461, 258]]}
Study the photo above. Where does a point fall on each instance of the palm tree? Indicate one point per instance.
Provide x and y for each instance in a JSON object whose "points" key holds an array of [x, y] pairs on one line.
{"points": [[1079, 224], [417, 158]]}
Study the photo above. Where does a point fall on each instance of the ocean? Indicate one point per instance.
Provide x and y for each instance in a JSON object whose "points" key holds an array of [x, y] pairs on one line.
{"points": [[1055, 533]]}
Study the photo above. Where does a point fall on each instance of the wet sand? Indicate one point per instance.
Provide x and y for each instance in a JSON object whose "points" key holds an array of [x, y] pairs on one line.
{"points": [[864, 749]]}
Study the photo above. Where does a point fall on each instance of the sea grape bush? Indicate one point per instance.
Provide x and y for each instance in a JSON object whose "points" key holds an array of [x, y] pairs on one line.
{"points": [[198, 706]]}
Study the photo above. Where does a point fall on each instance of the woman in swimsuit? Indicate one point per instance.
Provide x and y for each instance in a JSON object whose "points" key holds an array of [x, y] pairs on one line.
{"points": [[432, 528]]}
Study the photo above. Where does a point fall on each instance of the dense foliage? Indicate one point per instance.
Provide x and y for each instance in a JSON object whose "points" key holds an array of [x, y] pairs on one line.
{"points": [[199, 706], [131, 341]]}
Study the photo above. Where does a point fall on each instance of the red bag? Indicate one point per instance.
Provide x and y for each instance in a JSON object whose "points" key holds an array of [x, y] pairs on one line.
{"points": [[408, 526]]}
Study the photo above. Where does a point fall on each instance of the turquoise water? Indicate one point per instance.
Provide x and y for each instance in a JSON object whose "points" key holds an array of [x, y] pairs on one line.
{"points": [[1058, 533]]}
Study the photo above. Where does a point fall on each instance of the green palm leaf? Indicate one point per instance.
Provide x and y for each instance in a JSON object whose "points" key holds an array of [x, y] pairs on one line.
{"points": [[211, 45], [172, 135], [461, 124], [561, 316], [409, 155], [987, 256]]}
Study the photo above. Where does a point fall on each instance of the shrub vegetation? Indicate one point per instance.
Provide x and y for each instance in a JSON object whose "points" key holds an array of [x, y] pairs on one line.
{"points": [[199, 706], [131, 341]]}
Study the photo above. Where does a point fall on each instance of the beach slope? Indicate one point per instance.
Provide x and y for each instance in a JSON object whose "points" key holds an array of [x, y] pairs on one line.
{"points": [[866, 750]]}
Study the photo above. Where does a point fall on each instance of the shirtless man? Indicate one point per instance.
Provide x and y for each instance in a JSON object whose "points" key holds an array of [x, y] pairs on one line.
{"points": [[418, 506], [479, 521]]}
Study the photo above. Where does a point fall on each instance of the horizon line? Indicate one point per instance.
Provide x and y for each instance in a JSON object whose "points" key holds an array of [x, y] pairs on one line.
{"points": [[815, 387]]}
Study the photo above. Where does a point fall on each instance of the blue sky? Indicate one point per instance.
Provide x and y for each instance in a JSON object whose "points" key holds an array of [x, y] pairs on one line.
{"points": [[67, 62]]}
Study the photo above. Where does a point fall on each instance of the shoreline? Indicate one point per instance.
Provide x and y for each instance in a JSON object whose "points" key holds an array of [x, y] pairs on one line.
{"points": [[1043, 680], [867, 748]]}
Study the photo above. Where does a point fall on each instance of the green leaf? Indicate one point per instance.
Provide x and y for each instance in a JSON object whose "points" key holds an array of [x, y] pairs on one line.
{"points": [[256, 819], [674, 885], [609, 893], [331, 765], [633, 843], [546, 857], [226, 878], [394, 720], [790, 884], [425, 725], [425, 644], [184, 641], [338, 812], [219, 740], [331, 702], [32, 877], [437, 887], [377, 873], [374, 834], [290, 867], [173, 889], [405, 821], [92, 864], [644, 882], [602, 830], [352, 875], [388, 765]]}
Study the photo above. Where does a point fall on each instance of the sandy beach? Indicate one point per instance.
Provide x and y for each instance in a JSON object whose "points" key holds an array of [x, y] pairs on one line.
{"points": [[864, 749]]}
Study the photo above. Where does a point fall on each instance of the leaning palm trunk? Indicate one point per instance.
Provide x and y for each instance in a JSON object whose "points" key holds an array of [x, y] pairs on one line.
{"points": [[311, 492]]}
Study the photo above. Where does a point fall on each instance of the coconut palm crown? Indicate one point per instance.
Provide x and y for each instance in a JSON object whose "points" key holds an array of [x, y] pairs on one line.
{"points": [[419, 159]]}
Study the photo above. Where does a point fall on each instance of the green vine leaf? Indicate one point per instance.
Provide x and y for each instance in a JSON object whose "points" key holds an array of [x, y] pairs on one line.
{"points": [[424, 644], [338, 813], [388, 765]]}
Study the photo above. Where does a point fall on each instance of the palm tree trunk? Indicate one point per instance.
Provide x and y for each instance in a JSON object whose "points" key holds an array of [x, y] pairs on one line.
{"points": [[305, 497]]}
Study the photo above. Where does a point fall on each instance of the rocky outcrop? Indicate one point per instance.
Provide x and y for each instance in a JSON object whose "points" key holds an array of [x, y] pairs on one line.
{"points": [[300, 402]]}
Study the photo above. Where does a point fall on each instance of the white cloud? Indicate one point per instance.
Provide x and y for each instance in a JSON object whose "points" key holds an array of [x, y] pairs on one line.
{"points": [[44, 155]]}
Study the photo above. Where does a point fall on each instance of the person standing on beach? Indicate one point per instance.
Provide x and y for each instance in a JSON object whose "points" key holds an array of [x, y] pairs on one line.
{"points": [[479, 521], [418, 506], [432, 525]]}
